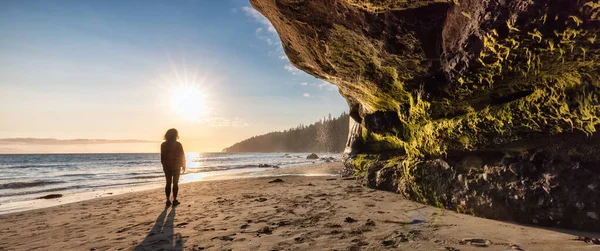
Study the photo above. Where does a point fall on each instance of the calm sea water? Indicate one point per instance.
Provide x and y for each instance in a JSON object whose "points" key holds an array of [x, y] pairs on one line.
{"points": [[29, 176]]}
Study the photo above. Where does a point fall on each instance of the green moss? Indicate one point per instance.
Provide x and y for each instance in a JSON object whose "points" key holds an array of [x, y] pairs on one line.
{"points": [[361, 162], [377, 143], [378, 79], [557, 72], [388, 5]]}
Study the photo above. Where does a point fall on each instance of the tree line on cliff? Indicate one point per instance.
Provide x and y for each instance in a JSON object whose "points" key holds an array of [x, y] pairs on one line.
{"points": [[327, 135]]}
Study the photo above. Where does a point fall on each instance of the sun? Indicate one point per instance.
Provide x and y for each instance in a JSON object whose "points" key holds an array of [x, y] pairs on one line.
{"points": [[190, 102]]}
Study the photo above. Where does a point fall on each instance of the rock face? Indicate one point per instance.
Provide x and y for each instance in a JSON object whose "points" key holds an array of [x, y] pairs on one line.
{"points": [[488, 107], [312, 156]]}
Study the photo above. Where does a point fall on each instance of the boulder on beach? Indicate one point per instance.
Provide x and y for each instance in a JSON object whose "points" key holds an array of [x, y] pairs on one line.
{"points": [[328, 159], [312, 156]]}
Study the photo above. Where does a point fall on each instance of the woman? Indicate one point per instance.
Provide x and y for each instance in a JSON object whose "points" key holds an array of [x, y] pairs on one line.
{"points": [[172, 158]]}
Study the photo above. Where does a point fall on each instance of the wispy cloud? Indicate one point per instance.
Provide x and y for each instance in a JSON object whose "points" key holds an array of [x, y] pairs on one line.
{"points": [[268, 34], [250, 12], [289, 67], [282, 55], [306, 95], [53, 141], [267, 31], [323, 85], [328, 86]]}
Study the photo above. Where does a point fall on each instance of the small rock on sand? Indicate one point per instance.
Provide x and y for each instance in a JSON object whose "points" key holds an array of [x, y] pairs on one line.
{"points": [[350, 220], [451, 249], [261, 199], [225, 238], [588, 240], [51, 196], [265, 230], [476, 242], [388, 243], [276, 181]]}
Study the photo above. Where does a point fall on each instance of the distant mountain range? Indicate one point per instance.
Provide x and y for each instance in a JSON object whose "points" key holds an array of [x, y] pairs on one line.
{"points": [[327, 135]]}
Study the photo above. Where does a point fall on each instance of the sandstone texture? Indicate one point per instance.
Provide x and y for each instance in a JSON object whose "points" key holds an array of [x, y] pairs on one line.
{"points": [[488, 107]]}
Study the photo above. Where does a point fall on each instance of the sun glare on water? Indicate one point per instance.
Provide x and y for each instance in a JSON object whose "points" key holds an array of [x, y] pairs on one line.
{"points": [[190, 102]]}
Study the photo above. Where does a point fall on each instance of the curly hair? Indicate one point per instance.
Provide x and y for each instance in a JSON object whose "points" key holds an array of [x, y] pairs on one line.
{"points": [[171, 135]]}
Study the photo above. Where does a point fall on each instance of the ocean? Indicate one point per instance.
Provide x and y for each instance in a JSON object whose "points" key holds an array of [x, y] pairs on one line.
{"points": [[26, 177]]}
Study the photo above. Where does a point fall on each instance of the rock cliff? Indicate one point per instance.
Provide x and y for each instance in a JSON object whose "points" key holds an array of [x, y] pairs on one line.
{"points": [[488, 107]]}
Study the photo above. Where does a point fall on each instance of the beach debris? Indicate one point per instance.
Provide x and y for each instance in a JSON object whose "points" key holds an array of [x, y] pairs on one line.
{"points": [[196, 247], [349, 220], [370, 223], [359, 242], [388, 243], [225, 238], [312, 156], [200, 229], [51, 196], [588, 240], [182, 225], [310, 185], [244, 226], [276, 181], [283, 223], [331, 225], [335, 232], [401, 237], [261, 199], [475, 242], [265, 230], [515, 247], [451, 249], [299, 239]]}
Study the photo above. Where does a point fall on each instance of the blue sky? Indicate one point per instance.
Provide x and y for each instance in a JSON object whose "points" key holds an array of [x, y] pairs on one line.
{"points": [[105, 69]]}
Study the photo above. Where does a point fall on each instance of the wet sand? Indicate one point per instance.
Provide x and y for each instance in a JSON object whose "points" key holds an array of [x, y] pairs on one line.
{"points": [[298, 213]]}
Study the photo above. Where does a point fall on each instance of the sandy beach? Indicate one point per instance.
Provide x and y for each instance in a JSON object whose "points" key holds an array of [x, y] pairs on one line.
{"points": [[288, 211]]}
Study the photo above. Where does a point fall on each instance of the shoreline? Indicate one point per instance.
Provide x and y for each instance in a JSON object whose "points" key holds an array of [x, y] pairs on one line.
{"points": [[255, 213], [68, 197]]}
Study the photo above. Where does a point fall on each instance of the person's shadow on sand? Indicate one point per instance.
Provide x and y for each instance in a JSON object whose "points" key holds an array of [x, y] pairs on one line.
{"points": [[161, 236]]}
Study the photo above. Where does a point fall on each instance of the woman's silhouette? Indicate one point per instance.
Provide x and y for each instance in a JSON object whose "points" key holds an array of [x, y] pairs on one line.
{"points": [[172, 158]]}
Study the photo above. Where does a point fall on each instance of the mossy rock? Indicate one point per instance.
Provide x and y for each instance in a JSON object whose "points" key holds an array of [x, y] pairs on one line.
{"points": [[447, 79]]}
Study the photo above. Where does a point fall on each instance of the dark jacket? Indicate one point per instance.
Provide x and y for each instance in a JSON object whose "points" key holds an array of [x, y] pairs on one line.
{"points": [[172, 155]]}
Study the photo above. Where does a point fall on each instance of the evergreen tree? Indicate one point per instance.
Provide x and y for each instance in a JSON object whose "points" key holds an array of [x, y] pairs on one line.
{"points": [[326, 135]]}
